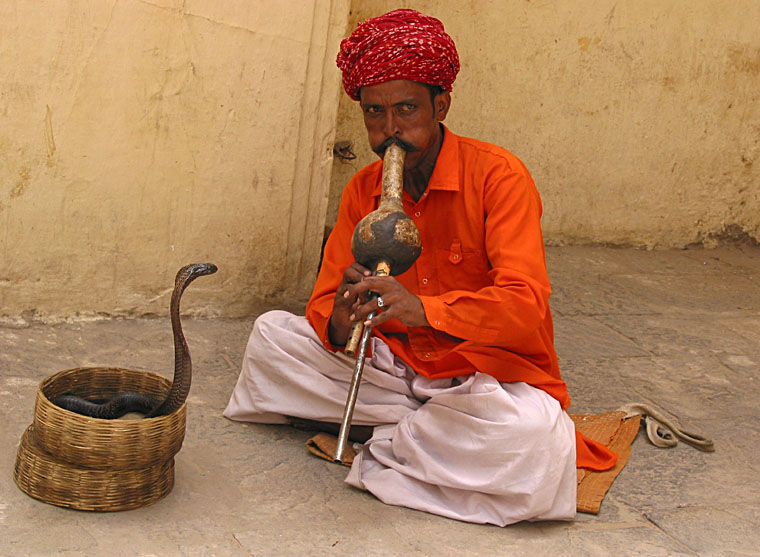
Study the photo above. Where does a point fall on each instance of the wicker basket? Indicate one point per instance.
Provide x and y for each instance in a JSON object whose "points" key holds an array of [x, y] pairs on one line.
{"points": [[93, 442], [84, 463], [52, 481]]}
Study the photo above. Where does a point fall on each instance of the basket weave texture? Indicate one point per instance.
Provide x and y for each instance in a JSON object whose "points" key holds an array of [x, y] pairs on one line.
{"points": [[42, 476], [85, 463]]}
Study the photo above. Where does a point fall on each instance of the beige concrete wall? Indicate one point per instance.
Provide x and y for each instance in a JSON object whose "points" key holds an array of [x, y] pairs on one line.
{"points": [[140, 135], [640, 121]]}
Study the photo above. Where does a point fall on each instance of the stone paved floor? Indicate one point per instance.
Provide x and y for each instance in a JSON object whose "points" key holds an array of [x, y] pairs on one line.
{"points": [[677, 329]]}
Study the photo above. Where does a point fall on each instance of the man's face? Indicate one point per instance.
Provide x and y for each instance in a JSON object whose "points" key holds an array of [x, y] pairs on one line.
{"points": [[403, 110]]}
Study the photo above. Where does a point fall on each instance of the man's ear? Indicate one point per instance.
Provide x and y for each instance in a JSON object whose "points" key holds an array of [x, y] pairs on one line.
{"points": [[441, 104]]}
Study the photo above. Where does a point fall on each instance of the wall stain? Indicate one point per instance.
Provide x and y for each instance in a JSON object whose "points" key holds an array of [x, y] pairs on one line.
{"points": [[745, 59], [49, 131], [670, 83], [586, 42], [24, 177], [747, 162]]}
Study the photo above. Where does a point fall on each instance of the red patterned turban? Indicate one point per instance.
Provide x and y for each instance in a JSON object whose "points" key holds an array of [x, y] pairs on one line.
{"points": [[402, 44]]}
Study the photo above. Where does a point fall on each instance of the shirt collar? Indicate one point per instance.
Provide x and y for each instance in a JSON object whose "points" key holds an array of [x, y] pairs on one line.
{"points": [[446, 172]]}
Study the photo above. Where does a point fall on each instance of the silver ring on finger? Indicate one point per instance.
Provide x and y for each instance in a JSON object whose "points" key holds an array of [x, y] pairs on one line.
{"points": [[380, 302]]}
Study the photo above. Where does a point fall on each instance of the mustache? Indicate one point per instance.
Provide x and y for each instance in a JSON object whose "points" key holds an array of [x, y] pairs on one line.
{"points": [[408, 147]]}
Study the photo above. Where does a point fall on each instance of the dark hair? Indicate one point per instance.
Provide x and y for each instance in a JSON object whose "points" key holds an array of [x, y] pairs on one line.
{"points": [[434, 91]]}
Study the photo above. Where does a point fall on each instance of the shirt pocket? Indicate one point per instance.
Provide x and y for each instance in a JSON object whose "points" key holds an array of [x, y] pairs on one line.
{"points": [[461, 268]]}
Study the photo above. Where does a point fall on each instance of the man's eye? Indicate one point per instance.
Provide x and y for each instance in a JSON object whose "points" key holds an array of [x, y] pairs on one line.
{"points": [[372, 110], [407, 107]]}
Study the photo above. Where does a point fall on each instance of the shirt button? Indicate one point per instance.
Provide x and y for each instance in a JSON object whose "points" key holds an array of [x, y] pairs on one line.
{"points": [[456, 257], [417, 214], [427, 354], [424, 281], [438, 323]]}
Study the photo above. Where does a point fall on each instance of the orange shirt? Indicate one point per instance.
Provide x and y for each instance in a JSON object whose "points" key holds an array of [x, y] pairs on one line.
{"points": [[481, 275]]}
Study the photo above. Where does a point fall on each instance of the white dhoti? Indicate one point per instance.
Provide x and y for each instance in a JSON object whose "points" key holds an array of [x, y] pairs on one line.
{"points": [[469, 448]]}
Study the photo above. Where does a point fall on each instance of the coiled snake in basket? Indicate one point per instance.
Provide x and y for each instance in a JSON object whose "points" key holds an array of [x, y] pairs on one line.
{"points": [[123, 403]]}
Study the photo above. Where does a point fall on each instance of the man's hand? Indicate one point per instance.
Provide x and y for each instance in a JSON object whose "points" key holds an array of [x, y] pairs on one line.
{"points": [[398, 302], [340, 322]]}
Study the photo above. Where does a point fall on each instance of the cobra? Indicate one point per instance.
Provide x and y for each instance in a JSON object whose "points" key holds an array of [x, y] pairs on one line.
{"points": [[122, 403]]}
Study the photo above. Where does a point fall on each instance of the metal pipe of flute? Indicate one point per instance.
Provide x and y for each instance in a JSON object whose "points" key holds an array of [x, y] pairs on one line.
{"points": [[348, 411], [354, 339], [357, 344]]}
